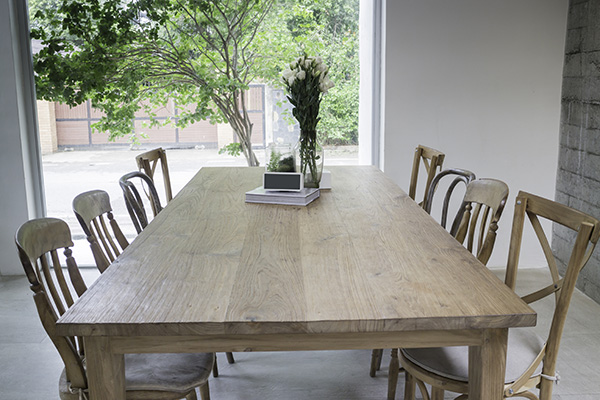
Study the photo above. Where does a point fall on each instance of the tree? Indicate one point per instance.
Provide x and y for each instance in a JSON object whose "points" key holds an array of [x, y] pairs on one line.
{"points": [[125, 56], [327, 28]]}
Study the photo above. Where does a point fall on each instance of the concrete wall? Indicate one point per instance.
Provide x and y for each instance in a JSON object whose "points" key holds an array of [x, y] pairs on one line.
{"points": [[578, 180], [479, 80]]}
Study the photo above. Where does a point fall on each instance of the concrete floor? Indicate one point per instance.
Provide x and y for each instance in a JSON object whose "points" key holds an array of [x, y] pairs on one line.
{"points": [[30, 366]]}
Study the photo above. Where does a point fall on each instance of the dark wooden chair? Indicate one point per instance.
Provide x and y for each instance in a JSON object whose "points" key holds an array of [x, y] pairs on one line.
{"points": [[432, 160], [148, 162], [92, 210], [147, 376], [134, 200], [531, 360], [459, 177]]}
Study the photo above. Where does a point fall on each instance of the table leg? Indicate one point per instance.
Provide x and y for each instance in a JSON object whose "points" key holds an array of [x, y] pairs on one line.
{"points": [[105, 370], [487, 365]]}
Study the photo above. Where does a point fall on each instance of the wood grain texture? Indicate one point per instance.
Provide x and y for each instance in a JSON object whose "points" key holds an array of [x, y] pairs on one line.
{"points": [[363, 258], [362, 267]]}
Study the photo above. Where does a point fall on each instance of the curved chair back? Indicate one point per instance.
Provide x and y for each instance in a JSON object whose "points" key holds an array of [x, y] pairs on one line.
{"points": [[460, 176], [147, 163], [38, 242], [92, 209], [134, 201], [432, 160]]}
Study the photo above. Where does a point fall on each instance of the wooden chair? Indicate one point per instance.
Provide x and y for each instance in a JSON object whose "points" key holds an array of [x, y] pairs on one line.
{"points": [[477, 220], [460, 176], [134, 201], [92, 209], [147, 376], [147, 163], [432, 160], [531, 360]]}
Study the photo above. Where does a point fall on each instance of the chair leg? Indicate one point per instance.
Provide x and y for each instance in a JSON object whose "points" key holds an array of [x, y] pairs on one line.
{"points": [[230, 359], [546, 387], [191, 395], [376, 357], [437, 393], [393, 375], [205, 392], [215, 367], [410, 387]]}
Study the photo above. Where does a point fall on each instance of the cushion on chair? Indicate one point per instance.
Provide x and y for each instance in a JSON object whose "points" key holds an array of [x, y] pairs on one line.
{"points": [[453, 362], [168, 372]]}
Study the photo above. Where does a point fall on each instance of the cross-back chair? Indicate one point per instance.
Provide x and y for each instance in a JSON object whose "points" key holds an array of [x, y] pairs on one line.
{"points": [[134, 201], [432, 160], [147, 162], [92, 209], [531, 360], [147, 376]]}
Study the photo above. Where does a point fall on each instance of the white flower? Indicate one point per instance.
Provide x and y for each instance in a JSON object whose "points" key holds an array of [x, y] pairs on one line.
{"points": [[293, 64], [301, 75], [307, 63], [319, 60], [325, 85], [291, 80], [287, 73], [322, 68]]}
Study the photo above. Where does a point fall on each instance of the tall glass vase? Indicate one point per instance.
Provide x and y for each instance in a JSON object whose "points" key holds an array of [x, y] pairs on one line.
{"points": [[309, 158]]}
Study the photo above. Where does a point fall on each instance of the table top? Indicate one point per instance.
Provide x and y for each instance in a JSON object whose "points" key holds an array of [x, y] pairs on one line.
{"points": [[363, 257]]}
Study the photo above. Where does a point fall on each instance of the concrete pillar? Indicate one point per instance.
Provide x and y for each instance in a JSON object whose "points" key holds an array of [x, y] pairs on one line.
{"points": [[578, 177]]}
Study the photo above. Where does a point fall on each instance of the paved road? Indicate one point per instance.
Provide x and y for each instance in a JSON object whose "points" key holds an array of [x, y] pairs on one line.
{"points": [[68, 173]]}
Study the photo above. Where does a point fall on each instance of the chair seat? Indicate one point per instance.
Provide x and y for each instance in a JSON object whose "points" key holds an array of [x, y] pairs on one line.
{"points": [[167, 372], [453, 362]]}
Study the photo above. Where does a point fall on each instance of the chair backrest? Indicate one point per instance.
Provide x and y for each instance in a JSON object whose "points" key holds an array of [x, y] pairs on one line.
{"points": [[586, 230], [432, 160], [134, 201], [482, 208], [147, 163], [38, 242], [92, 209], [459, 176]]}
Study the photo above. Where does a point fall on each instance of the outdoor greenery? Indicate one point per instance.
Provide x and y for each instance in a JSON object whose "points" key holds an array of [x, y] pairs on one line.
{"points": [[127, 56]]}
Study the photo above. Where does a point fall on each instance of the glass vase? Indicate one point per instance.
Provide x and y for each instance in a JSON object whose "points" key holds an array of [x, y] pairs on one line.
{"points": [[309, 158], [280, 157]]}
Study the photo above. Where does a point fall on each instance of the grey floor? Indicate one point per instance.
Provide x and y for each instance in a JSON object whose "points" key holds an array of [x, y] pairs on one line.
{"points": [[30, 366]]}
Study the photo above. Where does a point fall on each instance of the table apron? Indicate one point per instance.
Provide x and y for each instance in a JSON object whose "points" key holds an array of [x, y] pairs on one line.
{"points": [[294, 342]]}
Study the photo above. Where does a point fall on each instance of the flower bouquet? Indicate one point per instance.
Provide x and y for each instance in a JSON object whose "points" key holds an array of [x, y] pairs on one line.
{"points": [[306, 82]]}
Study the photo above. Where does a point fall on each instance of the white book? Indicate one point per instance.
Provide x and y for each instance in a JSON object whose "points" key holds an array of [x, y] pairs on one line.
{"points": [[301, 198]]}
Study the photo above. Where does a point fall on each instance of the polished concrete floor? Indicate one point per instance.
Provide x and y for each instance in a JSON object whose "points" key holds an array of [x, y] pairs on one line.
{"points": [[30, 366]]}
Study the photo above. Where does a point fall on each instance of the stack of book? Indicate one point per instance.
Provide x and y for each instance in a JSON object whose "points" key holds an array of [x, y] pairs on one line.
{"points": [[301, 198]]}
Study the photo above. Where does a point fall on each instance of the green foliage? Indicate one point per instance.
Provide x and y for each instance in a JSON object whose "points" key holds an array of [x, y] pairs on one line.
{"points": [[278, 163], [233, 149], [328, 28], [135, 56], [138, 55]]}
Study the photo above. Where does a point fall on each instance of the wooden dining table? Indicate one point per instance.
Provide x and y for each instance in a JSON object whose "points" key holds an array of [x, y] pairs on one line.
{"points": [[361, 267]]}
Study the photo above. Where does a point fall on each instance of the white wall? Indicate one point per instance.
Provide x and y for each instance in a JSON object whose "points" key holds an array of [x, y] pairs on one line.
{"points": [[481, 81]]}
